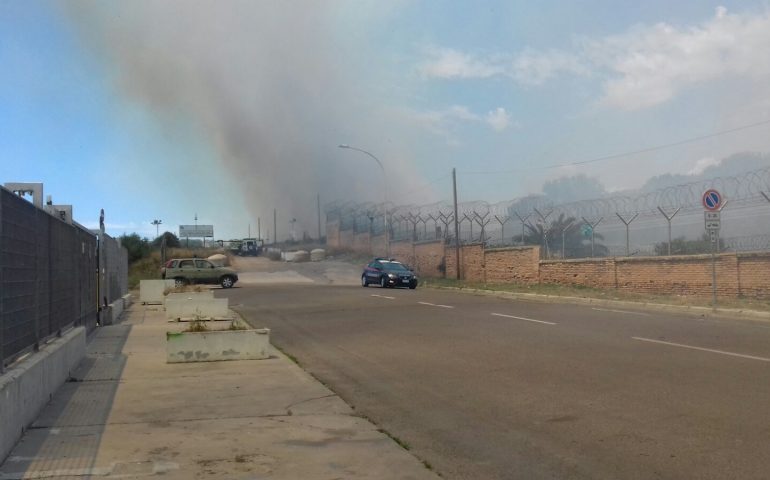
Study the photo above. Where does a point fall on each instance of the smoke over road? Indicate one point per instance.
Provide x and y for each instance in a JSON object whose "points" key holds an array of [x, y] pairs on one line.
{"points": [[267, 85]]}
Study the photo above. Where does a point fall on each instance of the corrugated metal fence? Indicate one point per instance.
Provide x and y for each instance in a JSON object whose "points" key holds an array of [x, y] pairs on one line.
{"points": [[114, 262], [47, 277]]}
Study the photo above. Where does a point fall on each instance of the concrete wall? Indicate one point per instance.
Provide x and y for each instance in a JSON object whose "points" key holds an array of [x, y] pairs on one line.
{"points": [[112, 313], [152, 291], [28, 386], [197, 307]]}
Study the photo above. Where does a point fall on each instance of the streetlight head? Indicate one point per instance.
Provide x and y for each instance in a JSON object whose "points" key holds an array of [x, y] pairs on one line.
{"points": [[343, 145]]}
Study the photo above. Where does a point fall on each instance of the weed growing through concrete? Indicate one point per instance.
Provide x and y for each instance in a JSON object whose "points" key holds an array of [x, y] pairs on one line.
{"points": [[197, 324]]}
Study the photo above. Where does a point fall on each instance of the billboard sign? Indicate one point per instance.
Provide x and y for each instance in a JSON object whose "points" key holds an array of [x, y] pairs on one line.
{"points": [[196, 231]]}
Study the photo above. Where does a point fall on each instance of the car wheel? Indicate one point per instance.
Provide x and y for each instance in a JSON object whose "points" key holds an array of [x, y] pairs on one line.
{"points": [[364, 281], [227, 281], [383, 282], [413, 285], [180, 282]]}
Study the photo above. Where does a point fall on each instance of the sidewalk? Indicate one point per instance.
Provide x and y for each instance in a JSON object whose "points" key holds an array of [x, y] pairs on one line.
{"points": [[126, 413]]}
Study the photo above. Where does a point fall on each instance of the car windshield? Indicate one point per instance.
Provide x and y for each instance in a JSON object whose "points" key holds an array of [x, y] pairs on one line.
{"points": [[394, 267]]}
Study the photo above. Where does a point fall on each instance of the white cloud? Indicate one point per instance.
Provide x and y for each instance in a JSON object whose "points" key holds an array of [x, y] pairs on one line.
{"points": [[529, 67], [650, 65], [446, 122], [449, 63], [498, 119], [645, 66]]}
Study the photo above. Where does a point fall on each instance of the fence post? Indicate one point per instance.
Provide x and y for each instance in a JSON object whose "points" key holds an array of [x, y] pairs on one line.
{"points": [[627, 224], [546, 229], [593, 227], [2, 308], [523, 223], [502, 223], [668, 219], [37, 218]]}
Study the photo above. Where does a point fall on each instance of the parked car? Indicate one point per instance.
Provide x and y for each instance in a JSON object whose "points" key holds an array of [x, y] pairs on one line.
{"points": [[388, 273], [198, 270]]}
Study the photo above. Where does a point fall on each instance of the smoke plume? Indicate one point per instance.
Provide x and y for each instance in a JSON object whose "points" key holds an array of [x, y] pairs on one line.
{"points": [[268, 85]]}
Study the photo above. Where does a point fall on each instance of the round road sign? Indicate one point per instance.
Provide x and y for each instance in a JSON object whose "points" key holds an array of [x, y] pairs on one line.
{"points": [[712, 200]]}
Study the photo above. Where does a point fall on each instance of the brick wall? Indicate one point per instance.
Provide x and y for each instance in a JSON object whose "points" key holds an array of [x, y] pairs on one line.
{"points": [[516, 264], [593, 272], [333, 234], [746, 274], [346, 239], [681, 275], [428, 258], [361, 243], [378, 246], [754, 274], [403, 252], [472, 263], [451, 261]]}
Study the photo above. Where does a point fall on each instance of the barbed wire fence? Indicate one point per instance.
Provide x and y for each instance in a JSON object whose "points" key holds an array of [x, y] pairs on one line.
{"points": [[658, 222]]}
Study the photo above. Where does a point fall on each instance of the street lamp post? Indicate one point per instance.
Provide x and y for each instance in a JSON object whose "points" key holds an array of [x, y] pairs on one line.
{"points": [[385, 178], [156, 222]]}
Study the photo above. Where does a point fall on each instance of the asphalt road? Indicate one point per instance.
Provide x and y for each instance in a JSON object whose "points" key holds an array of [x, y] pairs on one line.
{"points": [[489, 388]]}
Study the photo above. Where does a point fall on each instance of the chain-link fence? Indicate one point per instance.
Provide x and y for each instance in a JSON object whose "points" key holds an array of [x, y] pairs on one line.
{"points": [[668, 221], [47, 277]]}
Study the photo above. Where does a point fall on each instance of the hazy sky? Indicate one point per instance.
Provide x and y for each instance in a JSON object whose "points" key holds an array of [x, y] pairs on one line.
{"points": [[228, 109]]}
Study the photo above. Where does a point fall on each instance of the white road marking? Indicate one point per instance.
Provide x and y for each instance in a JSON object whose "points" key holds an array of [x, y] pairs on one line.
{"points": [[523, 318], [383, 296], [435, 305], [621, 311], [672, 344]]}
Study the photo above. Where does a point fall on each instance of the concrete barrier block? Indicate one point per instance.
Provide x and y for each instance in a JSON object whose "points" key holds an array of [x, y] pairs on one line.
{"points": [[207, 295], [151, 291], [197, 307], [216, 346], [28, 386]]}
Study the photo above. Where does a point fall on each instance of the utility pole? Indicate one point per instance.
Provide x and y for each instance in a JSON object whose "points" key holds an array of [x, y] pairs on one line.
{"points": [[259, 228], [318, 205], [275, 226], [457, 225]]}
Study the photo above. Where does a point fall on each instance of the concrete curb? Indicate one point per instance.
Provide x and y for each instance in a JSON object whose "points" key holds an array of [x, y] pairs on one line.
{"points": [[28, 386], [658, 307]]}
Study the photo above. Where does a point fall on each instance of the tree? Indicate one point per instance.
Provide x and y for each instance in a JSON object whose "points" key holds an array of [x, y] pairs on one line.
{"points": [[570, 189], [137, 247], [575, 244], [172, 241]]}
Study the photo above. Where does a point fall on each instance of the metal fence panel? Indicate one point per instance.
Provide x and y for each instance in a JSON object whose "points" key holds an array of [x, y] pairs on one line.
{"points": [[47, 276]]}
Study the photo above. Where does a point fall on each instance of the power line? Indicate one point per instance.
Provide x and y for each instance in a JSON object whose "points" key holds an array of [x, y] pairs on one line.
{"points": [[625, 154]]}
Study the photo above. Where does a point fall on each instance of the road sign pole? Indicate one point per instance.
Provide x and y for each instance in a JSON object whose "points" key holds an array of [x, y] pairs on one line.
{"points": [[714, 274]]}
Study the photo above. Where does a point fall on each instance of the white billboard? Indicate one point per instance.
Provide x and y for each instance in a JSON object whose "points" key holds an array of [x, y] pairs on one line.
{"points": [[196, 231]]}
